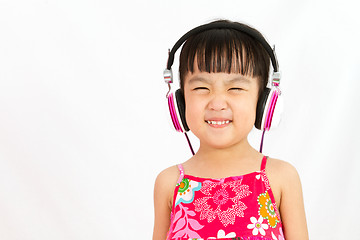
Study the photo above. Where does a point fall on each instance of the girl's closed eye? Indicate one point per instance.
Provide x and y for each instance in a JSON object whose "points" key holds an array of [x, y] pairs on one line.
{"points": [[236, 89], [201, 89]]}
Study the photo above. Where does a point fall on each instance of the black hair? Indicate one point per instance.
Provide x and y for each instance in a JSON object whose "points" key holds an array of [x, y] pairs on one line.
{"points": [[225, 50]]}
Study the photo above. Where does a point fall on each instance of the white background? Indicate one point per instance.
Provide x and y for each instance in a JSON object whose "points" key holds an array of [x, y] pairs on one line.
{"points": [[84, 128]]}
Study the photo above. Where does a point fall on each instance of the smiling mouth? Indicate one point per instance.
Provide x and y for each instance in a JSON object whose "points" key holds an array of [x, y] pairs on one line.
{"points": [[218, 123]]}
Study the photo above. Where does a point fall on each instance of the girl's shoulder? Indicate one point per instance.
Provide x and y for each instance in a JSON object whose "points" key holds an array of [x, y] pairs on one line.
{"points": [[283, 176], [280, 169], [288, 191], [168, 175], [165, 183], [163, 191]]}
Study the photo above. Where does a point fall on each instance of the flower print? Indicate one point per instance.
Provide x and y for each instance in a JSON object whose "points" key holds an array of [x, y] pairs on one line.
{"points": [[221, 235], [222, 201], [267, 209], [186, 191], [259, 176], [257, 226], [273, 236], [281, 236], [184, 225]]}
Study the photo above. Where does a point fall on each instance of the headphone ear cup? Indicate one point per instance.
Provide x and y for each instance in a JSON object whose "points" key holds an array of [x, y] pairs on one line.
{"points": [[174, 113], [266, 116], [260, 108], [180, 101]]}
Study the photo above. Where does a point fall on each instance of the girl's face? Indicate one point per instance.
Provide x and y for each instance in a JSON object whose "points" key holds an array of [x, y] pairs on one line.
{"points": [[220, 107]]}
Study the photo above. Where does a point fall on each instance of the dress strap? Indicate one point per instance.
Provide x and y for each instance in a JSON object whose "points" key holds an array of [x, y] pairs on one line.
{"points": [[181, 169], [263, 163]]}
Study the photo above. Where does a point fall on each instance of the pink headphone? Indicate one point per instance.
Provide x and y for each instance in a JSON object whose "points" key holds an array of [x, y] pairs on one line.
{"points": [[269, 106]]}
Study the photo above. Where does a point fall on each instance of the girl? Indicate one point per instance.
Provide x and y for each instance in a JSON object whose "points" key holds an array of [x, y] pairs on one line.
{"points": [[227, 190]]}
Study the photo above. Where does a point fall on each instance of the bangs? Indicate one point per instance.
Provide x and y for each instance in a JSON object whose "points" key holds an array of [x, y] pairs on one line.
{"points": [[224, 50]]}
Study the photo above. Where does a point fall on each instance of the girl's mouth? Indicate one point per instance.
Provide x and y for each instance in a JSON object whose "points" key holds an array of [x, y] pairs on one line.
{"points": [[218, 124]]}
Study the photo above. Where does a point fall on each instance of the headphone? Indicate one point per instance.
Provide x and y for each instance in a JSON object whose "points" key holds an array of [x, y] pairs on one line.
{"points": [[266, 116]]}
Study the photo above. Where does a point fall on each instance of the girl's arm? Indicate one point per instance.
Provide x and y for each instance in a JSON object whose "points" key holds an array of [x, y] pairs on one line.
{"points": [[292, 205], [163, 191]]}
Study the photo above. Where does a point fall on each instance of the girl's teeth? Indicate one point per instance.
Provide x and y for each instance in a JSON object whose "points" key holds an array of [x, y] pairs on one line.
{"points": [[218, 122]]}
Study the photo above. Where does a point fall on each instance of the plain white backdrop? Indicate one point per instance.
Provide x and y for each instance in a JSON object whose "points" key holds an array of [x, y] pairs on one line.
{"points": [[84, 128]]}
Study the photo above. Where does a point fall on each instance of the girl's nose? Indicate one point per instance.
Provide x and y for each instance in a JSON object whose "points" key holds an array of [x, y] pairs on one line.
{"points": [[218, 102]]}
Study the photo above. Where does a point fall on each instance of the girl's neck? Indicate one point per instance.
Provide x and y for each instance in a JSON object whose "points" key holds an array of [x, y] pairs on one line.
{"points": [[230, 154]]}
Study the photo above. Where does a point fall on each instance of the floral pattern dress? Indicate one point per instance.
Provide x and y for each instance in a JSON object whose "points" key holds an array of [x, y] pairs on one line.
{"points": [[239, 208]]}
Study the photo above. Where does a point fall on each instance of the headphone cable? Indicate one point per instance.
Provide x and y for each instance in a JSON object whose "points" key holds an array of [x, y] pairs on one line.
{"points": [[188, 140], [262, 141]]}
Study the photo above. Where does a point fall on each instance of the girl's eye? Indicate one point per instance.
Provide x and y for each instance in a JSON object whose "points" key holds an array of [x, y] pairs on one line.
{"points": [[201, 89], [235, 89]]}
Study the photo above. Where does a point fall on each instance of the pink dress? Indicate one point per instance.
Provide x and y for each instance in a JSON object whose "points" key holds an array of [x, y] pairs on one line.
{"points": [[239, 208]]}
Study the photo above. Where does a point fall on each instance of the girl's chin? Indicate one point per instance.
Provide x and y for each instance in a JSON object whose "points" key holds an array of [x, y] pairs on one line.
{"points": [[221, 144]]}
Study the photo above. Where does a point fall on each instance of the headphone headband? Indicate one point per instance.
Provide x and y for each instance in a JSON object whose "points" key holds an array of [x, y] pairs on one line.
{"points": [[223, 25]]}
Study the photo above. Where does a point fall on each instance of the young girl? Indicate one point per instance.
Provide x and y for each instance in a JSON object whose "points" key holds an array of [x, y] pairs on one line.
{"points": [[227, 190]]}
